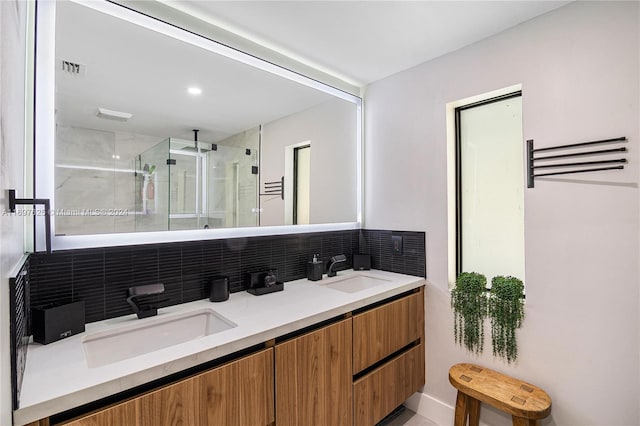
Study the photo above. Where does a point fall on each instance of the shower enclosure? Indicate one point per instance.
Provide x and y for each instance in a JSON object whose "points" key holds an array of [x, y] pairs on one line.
{"points": [[182, 184]]}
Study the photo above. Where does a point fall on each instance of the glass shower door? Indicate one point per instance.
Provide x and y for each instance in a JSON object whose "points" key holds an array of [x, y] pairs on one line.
{"points": [[186, 188], [151, 189], [180, 185], [232, 187]]}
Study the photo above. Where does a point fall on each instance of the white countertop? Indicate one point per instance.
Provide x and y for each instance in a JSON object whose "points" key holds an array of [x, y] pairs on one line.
{"points": [[57, 377]]}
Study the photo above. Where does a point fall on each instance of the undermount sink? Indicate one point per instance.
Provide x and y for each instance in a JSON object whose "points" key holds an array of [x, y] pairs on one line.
{"points": [[148, 335], [353, 283]]}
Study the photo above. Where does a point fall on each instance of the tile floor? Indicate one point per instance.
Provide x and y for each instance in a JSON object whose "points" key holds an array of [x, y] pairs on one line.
{"points": [[406, 417]]}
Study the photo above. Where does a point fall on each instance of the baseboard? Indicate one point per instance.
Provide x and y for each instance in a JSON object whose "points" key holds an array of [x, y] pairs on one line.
{"points": [[433, 409]]}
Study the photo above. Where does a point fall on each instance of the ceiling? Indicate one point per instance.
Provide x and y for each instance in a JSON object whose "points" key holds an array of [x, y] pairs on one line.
{"points": [[364, 41], [131, 69]]}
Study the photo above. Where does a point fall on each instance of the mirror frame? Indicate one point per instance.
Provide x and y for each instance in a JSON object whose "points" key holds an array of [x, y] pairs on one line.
{"points": [[45, 133]]}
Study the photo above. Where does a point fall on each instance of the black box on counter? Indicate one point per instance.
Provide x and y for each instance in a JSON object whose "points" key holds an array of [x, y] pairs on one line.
{"points": [[53, 322], [218, 288], [361, 262]]}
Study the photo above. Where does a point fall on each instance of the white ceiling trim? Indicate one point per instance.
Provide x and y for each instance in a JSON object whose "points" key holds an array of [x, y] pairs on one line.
{"points": [[360, 42], [211, 20]]}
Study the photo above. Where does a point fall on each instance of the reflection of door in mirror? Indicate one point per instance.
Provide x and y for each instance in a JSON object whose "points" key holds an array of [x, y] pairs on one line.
{"points": [[301, 184], [297, 180]]}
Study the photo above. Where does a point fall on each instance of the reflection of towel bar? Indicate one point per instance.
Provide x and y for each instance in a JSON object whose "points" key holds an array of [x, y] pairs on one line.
{"points": [[13, 202], [274, 188]]}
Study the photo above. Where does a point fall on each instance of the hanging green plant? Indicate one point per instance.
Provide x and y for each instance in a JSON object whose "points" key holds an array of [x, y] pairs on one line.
{"points": [[469, 303], [506, 310]]}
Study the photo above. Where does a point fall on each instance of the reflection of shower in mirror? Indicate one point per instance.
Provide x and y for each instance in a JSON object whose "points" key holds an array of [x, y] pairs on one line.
{"points": [[148, 173], [176, 184]]}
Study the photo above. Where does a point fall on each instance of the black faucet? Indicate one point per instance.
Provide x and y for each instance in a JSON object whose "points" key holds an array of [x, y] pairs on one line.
{"points": [[138, 298], [335, 260]]}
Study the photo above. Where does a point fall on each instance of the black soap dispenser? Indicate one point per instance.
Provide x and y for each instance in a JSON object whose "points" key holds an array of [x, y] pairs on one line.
{"points": [[315, 269]]}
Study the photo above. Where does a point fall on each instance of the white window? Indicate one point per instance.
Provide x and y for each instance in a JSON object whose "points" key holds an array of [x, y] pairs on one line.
{"points": [[489, 187]]}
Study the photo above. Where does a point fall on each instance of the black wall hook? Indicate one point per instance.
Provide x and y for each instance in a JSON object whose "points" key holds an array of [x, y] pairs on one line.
{"points": [[13, 201]]}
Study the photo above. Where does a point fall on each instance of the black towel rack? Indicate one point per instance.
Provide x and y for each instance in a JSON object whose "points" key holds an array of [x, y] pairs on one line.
{"points": [[607, 164], [274, 188], [13, 202]]}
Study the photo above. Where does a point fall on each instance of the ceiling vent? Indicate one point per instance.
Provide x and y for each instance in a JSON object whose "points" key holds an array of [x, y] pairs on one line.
{"points": [[72, 68], [110, 114]]}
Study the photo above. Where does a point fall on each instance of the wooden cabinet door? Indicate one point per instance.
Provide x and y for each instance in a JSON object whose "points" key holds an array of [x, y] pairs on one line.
{"points": [[313, 378], [381, 331], [172, 405], [239, 393]]}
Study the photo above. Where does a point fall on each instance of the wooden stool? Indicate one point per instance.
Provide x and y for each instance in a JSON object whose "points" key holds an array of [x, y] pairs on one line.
{"points": [[526, 403]]}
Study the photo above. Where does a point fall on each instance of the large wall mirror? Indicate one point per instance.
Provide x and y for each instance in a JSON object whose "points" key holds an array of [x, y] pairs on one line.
{"points": [[144, 128]]}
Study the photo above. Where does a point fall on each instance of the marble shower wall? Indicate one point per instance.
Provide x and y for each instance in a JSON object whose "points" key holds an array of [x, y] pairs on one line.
{"points": [[95, 170]]}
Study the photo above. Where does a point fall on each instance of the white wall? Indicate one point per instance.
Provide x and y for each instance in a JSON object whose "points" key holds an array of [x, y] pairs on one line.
{"points": [[331, 129], [12, 127], [579, 70]]}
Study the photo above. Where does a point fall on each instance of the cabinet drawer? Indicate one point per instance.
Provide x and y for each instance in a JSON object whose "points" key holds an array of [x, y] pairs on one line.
{"points": [[382, 331], [376, 394]]}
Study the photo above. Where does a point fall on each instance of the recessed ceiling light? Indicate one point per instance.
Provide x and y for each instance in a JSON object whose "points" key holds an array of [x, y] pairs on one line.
{"points": [[194, 90]]}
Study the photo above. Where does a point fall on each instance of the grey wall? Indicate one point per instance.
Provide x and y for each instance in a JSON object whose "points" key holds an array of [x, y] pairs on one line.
{"points": [[331, 128], [579, 71], [12, 128]]}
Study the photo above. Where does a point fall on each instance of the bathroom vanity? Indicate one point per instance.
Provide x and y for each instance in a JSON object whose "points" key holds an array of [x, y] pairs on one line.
{"points": [[345, 350]]}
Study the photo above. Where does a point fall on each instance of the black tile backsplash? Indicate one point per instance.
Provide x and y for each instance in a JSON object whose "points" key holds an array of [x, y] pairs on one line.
{"points": [[102, 276], [378, 244]]}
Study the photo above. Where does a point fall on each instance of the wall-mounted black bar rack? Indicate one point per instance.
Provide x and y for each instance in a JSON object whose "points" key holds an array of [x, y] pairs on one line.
{"points": [[574, 167], [13, 202], [274, 188]]}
